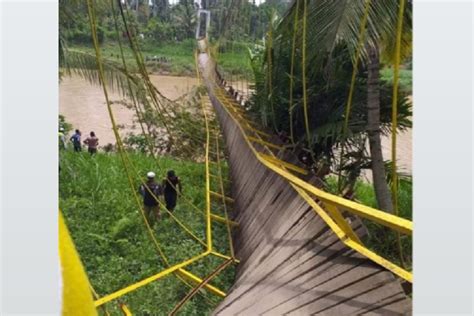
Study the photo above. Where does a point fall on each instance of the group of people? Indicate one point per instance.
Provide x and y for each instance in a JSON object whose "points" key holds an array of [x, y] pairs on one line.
{"points": [[92, 141], [151, 192]]}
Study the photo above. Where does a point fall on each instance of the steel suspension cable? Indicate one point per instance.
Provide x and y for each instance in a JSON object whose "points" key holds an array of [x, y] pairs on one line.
{"points": [[224, 203], [361, 39], [269, 71], [396, 70], [125, 160], [91, 12], [124, 64], [221, 267], [293, 51], [186, 200]]}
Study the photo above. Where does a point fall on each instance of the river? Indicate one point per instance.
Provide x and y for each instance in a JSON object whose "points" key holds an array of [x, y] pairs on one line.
{"points": [[83, 104]]}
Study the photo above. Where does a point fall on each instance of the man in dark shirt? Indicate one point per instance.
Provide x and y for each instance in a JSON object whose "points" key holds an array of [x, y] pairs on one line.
{"points": [[170, 186], [150, 192], [76, 140]]}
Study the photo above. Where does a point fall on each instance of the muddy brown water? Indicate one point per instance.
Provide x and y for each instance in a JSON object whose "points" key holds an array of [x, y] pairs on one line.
{"points": [[83, 105]]}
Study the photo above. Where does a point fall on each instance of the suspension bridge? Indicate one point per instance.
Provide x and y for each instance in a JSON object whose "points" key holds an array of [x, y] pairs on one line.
{"points": [[297, 248]]}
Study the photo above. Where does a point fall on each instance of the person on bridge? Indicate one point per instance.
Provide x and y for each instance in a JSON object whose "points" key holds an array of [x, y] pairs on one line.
{"points": [[76, 140], [92, 142], [150, 191], [170, 186]]}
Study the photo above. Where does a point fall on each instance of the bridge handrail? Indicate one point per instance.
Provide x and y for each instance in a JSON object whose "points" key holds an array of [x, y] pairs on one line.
{"points": [[335, 220]]}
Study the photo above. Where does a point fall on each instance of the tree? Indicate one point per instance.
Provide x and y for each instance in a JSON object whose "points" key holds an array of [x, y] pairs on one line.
{"points": [[382, 192], [183, 17], [160, 9], [331, 50]]}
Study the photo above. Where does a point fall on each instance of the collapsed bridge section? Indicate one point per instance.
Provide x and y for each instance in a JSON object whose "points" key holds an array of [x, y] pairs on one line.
{"points": [[291, 261]]}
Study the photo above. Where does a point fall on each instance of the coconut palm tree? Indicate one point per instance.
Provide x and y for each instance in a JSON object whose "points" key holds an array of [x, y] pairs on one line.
{"points": [[379, 174], [382, 192], [332, 44]]}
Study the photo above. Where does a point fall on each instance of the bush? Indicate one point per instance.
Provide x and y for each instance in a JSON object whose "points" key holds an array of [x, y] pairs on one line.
{"points": [[113, 242], [62, 123], [136, 142], [123, 227]]}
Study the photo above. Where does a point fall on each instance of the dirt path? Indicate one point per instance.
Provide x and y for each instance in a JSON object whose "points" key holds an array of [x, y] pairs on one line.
{"points": [[404, 153], [84, 106]]}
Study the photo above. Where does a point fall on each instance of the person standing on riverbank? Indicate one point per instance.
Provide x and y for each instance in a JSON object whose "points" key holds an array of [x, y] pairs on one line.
{"points": [[62, 138], [170, 186], [76, 140], [150, 191], [92, 142]]}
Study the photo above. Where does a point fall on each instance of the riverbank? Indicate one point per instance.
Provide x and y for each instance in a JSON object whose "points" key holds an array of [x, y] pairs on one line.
{"points": [[175, 59], [83, 104]]}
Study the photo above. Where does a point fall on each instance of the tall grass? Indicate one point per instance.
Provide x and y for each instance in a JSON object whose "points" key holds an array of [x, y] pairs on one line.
{"points": [[112, 240]]}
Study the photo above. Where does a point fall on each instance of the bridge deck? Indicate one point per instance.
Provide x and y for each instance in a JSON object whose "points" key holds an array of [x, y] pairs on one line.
{"points": [[290, 261]]}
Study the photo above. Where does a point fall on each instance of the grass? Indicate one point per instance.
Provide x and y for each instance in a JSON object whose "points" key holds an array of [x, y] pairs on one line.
{"points": [[179, 54], [380, 239], [112, 240], [406, 78]]}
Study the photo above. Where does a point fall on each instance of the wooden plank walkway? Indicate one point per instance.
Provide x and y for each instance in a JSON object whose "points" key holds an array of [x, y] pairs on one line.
{"points": [[290, 261]]}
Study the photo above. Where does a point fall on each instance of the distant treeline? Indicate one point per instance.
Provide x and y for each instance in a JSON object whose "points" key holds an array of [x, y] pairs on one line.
{"points": [[162, 22]]}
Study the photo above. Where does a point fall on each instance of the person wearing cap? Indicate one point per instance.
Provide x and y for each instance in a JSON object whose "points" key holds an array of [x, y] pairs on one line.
{"points": [[170, 186], [62, 138], [150, 192]]}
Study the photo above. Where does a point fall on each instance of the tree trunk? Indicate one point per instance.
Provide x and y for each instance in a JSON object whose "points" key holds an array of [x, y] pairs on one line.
{"points": [[382, 192]]}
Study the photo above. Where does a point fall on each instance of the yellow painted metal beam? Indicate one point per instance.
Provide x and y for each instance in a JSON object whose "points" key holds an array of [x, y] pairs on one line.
{"points": [[396, 223], [148, 280], [338, 204], [220, 219], [208, 184], [250, 128], [125, 310], [195, 290], [284, 164], [262, 142], [217, 254], [346, 239], [216, 177], [197, 280], [343, 224], [228, 199]]}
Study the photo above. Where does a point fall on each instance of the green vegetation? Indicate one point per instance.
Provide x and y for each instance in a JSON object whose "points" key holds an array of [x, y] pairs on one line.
{"points": [[179, 58], [112, 240], [166, 30], [308, 89], [95, 196], [65, 125], [406, 78]]}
